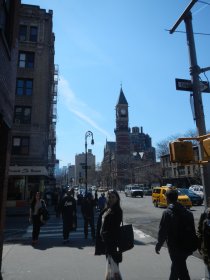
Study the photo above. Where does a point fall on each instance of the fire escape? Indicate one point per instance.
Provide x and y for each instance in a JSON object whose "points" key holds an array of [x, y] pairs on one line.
{"points": [[52, 128]]}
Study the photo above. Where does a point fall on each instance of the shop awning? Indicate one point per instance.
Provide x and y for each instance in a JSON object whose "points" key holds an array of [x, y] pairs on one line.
{"points": [[28, 170]]}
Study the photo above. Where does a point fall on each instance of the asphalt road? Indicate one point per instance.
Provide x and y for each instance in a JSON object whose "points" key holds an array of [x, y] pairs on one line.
{"points": [[138, 211], [144, 216], [77, 261]]}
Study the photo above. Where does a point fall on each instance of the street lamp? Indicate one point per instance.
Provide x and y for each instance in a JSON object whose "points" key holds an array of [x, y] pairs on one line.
{"points": [[87, 134]]}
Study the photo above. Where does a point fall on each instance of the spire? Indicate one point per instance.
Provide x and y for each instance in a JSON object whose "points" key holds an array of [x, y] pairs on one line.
{"points": [[122, 99]]}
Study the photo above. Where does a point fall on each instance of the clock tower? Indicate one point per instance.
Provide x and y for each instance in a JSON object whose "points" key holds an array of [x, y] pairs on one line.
{"points": [[122, 133]]}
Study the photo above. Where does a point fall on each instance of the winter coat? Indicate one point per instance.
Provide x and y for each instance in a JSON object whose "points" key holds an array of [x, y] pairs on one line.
{"points": [[204, 235], [107, 233], [68, 209], [88, 207], [170, 225]]}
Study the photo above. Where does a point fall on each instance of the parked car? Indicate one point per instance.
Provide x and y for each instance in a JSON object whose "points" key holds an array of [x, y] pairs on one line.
{"points": [[102, 189], [159, 197], [147, 191], [198, 190], [133, 190], [195, 198]]}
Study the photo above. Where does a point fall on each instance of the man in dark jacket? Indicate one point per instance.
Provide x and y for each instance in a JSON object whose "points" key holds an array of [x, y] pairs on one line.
{"points": [[169, 231], [69, 212], [88, 207], [204, 237]]}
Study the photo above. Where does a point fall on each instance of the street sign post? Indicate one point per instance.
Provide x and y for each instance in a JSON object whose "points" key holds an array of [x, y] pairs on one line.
{"points": [[88, 167], [186, 85]]}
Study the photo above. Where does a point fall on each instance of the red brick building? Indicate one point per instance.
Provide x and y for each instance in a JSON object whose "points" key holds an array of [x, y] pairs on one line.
{"points": [[132, 149]]}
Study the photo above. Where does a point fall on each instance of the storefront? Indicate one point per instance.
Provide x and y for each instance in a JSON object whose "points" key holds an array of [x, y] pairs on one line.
{"points": [[23, 182]]}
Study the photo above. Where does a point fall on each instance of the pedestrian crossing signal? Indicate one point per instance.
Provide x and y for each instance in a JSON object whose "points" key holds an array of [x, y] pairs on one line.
{"points": [[181, 151], [206, 147]]}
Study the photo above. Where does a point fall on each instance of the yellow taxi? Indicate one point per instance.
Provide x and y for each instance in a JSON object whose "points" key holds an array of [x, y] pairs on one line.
{"points": [[159, 198]]}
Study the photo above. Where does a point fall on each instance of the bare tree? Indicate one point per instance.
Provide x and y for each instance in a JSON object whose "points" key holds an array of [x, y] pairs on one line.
{"points": [[163, 146]]}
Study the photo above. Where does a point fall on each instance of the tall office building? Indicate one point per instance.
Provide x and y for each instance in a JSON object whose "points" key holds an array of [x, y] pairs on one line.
{"points": [[80, 168]]}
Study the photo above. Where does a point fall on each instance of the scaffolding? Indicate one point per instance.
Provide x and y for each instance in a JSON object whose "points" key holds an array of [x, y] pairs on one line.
{"points": [[52, 122]]}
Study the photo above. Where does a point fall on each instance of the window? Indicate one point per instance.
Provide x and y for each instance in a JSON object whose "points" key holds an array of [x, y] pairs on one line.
{"points": [[22, 114], [20, 145], [24, 87], [23, 33], [33, 34], [26, 60], [181, 170]]}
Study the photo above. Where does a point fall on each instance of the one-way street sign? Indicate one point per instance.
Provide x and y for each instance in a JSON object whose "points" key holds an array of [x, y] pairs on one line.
{"points": [[186, 85]]}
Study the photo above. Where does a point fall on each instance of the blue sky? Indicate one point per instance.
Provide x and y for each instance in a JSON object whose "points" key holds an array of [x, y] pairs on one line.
{"points": [[101, 44]]}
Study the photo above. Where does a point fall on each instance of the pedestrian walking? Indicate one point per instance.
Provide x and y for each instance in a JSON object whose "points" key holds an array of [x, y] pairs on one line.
{"points": [[87, 208], [35, 216], [56, 202], [107, 234], [69, 214], [102, 202], [96, 199], [177, 228], [204, 237]]}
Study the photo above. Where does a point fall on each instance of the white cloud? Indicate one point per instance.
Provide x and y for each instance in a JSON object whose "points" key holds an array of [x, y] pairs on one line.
{"points": [[79, 108]]}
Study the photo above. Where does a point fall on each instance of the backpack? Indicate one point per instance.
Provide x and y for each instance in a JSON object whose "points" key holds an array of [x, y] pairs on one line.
{"points": [[185, 236]]}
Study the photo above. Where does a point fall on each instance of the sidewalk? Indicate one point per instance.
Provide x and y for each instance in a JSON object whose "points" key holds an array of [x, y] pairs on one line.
{"points": [[51, 260]]}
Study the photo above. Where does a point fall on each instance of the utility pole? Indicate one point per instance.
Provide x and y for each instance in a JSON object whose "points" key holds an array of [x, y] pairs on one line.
{"points": [[197, 99]]}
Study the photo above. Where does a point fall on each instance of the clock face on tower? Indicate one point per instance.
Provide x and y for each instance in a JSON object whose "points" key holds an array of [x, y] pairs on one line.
{"points": [[123, 112]]}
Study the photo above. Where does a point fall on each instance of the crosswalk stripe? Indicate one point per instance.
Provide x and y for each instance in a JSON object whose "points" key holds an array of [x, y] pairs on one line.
{"points": [[55, 229]]}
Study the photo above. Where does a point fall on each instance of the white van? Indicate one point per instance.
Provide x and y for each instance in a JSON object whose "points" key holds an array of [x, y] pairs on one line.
{"points": [[134, 190]]}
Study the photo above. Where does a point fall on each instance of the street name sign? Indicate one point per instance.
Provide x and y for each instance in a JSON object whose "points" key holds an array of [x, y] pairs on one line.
{"points": [[186, 85]]}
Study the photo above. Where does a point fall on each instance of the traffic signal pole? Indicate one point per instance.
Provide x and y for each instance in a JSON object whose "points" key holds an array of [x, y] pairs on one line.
{"points": [[197, 99]]}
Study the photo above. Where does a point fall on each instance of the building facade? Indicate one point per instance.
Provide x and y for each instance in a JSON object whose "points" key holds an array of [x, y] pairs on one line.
{"points": [[34, 121], [80, 168], [181, 175], [132, 149], [8, 58], [123, 145]]}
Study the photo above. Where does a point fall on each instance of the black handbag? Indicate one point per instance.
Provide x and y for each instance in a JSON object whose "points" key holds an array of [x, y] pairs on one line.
{"points": [[43, 213], [126, 238]]}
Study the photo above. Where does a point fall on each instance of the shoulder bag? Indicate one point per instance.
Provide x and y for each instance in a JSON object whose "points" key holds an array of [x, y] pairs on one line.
{"points": [[126, 238]]}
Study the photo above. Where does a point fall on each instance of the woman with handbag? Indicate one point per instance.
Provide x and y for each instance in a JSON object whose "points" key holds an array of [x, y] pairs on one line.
{"points": [[35, 217], [107, 236]]}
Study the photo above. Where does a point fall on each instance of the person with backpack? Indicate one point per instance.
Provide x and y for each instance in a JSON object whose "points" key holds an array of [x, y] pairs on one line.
{"points": [[204, 237], [177, 228]]}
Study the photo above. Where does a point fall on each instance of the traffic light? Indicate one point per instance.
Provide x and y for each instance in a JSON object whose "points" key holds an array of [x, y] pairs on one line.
{"points": [[206, 147], [181, 151]]}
